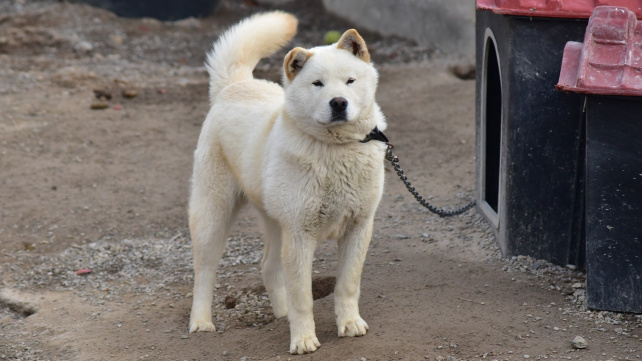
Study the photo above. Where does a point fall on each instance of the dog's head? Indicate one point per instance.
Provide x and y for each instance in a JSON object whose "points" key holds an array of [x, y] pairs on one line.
{"points": [[330, 90]]}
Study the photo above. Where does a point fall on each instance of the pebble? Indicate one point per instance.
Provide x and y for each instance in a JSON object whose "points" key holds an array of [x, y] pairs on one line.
{"points": [[230, 302], [130, 93], [99, 104], [83, 47], [184, 336], [579, 342]]}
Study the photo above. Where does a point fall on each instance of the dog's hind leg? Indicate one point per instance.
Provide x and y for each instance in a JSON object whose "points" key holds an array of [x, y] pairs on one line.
{"points": [[272, 268], [352, 254], [214, 202]]}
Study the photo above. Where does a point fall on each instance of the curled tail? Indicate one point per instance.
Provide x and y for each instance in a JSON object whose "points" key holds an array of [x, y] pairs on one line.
{"points": [[239, 49]]}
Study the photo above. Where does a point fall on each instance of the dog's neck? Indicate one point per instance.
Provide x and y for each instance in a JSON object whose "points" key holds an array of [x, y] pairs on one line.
{"points": [[344, 133]]}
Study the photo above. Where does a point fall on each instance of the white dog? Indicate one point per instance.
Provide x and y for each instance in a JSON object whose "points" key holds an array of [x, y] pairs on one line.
{"points": [[295, 154]]}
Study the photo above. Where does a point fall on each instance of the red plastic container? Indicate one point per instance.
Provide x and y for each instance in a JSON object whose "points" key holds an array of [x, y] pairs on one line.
{"points": [[609, 62], [579, 9]]}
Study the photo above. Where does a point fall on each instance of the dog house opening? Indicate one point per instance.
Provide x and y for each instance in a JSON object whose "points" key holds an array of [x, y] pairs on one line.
{"points": [[491, 123]]}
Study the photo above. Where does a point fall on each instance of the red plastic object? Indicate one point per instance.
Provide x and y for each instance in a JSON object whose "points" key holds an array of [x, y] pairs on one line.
{"points": [[609, 62], [555, 8]]}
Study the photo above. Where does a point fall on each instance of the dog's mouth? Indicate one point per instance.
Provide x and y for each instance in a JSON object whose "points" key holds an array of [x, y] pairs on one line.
{"points": [[338, 117]]}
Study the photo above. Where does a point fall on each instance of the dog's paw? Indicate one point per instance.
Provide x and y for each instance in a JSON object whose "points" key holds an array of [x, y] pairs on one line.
{"points": [[303, 345], [201, 326], [353, 328]]}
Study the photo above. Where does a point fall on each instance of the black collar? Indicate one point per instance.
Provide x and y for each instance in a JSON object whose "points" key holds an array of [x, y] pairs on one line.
{"points": [[375, 134]]}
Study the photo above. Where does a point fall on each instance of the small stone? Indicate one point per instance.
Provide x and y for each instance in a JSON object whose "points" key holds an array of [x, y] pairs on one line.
{"points": [[96, 105], [83, 47], [230, 302], [463, 71], [577, 285], [130, 93], [184, 336], [224, 353], [579, 342], [102, 94]]}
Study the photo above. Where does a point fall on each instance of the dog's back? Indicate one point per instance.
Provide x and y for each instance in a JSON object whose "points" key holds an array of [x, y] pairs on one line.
{"points": [[237, 51]]}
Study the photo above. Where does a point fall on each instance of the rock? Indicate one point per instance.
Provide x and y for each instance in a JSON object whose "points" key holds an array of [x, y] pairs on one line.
{"points": [[579, 342], [102, 94], [99, 104], [577, 285], [83, 47], [129, 93], [230, 302], [463, 71]]}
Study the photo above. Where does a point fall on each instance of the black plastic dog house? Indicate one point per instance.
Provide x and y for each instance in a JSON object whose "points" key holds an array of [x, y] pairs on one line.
{"points": [[528, 134], [607, 67]]}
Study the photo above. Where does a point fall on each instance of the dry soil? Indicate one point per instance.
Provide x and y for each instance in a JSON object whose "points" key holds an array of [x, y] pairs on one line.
{"points": [[105, 190]]}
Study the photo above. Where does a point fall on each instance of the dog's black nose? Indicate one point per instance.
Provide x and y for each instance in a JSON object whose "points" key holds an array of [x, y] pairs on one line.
{"points": [[338, 104]]}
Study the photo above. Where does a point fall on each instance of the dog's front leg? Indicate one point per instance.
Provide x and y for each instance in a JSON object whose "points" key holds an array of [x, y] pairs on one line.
{"points": [[296, 254], [352, 253]]}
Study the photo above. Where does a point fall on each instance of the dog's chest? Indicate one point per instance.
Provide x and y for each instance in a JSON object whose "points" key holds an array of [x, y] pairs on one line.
{"points": [[345, 192]]}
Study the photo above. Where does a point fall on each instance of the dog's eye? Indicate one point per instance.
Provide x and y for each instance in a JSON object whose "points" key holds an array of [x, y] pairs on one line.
{"points": [[317, 83], [350, 81]]}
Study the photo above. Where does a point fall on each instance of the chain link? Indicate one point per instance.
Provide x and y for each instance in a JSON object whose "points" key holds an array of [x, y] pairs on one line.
{"points": [[438, 211]]}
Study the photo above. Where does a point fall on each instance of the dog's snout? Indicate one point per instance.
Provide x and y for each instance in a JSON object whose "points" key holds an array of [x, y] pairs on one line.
{"points": [[338, 104]]}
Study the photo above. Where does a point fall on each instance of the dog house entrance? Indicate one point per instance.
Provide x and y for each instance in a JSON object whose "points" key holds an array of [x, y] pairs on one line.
{"points": [[491, 123]]}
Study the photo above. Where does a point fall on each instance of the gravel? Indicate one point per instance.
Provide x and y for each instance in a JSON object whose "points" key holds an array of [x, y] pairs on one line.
{"points": [[128, 266], [572, 284]]}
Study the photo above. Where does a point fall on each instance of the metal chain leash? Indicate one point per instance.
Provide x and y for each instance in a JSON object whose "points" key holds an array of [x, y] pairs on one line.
{"points": [[438, 211]]}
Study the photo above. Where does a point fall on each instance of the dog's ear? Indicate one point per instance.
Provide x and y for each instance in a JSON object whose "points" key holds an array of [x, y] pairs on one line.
{"points": [[354, 43], [294, 61]]}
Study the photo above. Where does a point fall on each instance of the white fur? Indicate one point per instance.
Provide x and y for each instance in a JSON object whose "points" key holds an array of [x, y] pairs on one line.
{"points": [[309, 179]]}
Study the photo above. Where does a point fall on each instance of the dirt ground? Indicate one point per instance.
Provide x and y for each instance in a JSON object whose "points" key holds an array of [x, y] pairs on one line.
{"points": [[106, 190]]}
